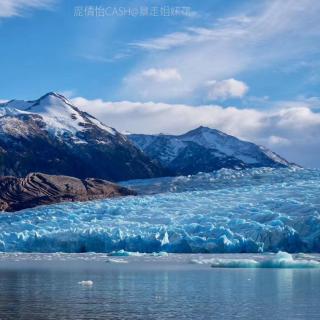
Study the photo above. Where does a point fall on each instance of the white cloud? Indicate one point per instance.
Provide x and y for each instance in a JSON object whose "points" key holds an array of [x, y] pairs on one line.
{"points": [[272, 18], [161, 75], [275, 140], [153, 117], [165, 42], [68, 93], [290, 131], [255, 38], [224, 89], [194, 35], [152, 82], [10, 8]]}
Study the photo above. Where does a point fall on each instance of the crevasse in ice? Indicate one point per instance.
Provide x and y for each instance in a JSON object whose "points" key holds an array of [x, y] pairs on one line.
{"points": [[254, 210]]}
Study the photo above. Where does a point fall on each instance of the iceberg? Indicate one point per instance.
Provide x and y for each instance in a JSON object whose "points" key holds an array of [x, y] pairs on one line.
{"points": [[160, 254], [86, 283], [121, 261], [123, 253], [228, 211], [281, 260]]}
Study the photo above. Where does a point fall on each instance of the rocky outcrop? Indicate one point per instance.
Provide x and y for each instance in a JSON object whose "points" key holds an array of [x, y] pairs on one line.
{"points": [[40, 189]]}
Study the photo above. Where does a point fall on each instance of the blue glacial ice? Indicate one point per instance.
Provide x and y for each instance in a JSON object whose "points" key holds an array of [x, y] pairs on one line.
{"points": [[229, 211]]}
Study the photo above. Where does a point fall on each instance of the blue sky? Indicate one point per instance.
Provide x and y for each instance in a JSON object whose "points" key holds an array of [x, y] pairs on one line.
{"points": [[250, 68]]}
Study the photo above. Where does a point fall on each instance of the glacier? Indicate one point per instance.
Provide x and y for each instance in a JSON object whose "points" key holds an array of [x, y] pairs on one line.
{"points": [[227, 211]]}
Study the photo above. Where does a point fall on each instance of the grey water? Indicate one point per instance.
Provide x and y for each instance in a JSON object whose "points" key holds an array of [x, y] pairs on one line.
{"points": [[47, 287]]}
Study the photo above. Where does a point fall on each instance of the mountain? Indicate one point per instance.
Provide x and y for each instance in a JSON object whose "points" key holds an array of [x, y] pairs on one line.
{"points": [[204, 149], [50, 135], [40, 189]]}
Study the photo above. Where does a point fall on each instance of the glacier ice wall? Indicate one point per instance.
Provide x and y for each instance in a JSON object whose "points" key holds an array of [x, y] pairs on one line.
{"points": [[254, 210]]}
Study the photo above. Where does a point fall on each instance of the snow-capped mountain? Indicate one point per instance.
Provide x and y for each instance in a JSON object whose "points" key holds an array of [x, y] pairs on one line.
{"points": [[204, 149], [51, 135]]}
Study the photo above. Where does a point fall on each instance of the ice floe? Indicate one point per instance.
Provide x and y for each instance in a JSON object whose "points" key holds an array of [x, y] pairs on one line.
{"points": [[86, 283], [281, 260]]}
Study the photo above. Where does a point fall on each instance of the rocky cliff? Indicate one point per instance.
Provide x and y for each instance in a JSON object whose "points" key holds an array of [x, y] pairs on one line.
{"points": [[40, 189]]}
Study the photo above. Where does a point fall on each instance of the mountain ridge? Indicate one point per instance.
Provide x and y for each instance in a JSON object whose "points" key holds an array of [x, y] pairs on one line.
{"points": [[53, 136], [205, 149]]}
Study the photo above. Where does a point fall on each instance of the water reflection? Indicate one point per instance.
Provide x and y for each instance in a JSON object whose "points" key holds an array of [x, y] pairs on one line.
{"points": [[189, 293]]}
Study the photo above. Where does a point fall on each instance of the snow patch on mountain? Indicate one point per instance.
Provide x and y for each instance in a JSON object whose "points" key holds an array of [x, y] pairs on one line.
{"points": [[58, 114], [205, 149], [53, 136], [229, 145], [17, 104], [14, 127], [102, 126]]}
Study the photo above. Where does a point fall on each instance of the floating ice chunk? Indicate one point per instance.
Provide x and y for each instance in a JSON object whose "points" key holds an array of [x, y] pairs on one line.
{"points": [[86, 283], [282, 260], [302, 255], [110, 260], [204, 261], [234, 263], [160, 254], [123, 253], [285, 260]]}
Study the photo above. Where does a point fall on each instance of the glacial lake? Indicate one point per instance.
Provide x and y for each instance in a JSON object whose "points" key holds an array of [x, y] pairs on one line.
{"points": [[50, 286]]}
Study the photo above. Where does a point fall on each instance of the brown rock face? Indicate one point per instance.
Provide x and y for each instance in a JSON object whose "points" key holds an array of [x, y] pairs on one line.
{"points": [[39, 189]]}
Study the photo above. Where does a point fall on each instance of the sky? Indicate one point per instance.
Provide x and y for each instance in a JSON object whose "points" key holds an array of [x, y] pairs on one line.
{"points": [[249, 68]]}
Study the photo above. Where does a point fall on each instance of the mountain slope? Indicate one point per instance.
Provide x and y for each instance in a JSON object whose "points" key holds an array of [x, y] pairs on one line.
{"points": [[51, 135], [204, 149]]}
